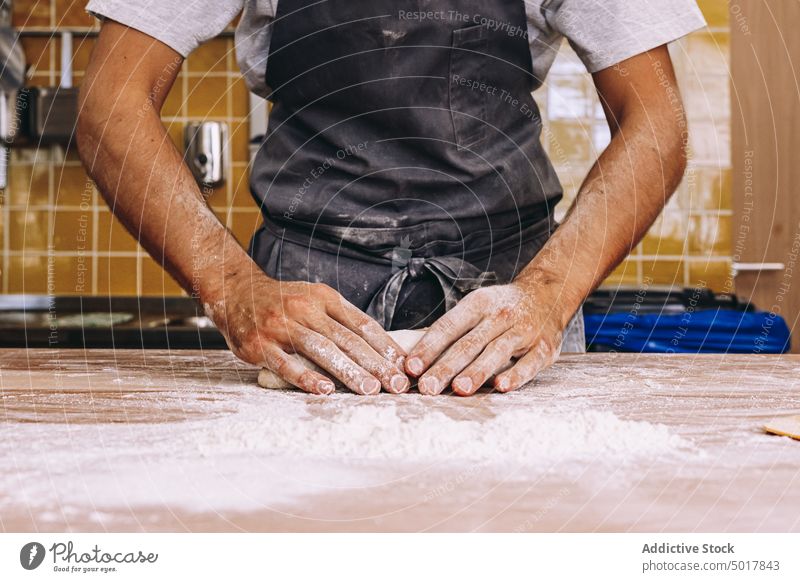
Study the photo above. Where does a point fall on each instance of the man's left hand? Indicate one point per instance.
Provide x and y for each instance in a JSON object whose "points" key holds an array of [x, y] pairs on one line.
{"points": [[480, 335]]}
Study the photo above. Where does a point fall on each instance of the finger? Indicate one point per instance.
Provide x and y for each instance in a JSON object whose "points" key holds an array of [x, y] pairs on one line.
{"points": [[444, 332], [496, 355], [370, 330], [290, 369], [527, 368], [458, 357], [325, 354], [392, 379]]}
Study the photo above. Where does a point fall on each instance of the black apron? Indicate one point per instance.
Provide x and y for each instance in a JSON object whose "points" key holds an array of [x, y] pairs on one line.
{"points": [[403, 163]]}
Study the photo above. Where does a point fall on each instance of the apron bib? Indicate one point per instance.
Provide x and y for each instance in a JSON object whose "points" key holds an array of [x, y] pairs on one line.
{"points": [[403, 163]]}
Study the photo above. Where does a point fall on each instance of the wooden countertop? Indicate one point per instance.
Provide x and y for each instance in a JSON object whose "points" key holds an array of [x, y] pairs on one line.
{"points": [[104, 440]]}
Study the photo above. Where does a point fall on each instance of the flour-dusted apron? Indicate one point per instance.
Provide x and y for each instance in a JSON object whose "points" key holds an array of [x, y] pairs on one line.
{"points": [[403, 164]]}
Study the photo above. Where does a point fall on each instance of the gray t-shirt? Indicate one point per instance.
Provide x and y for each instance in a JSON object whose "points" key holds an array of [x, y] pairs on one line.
{"points": [[602, 32]]}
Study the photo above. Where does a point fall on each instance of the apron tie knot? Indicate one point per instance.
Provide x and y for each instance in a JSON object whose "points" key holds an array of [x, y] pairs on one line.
{"points": [[416, 268], [455, 276]]}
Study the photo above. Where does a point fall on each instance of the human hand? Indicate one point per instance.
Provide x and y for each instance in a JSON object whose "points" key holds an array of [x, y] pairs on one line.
{"points": [[481, 334], [264, 321]]}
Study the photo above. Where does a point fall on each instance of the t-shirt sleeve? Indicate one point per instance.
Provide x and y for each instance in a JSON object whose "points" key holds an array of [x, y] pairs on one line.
{"points": [[606, 32], [183, 25]]}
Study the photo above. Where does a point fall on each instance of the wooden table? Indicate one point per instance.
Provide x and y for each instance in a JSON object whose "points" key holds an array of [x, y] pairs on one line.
{"points": [[105, 440]]}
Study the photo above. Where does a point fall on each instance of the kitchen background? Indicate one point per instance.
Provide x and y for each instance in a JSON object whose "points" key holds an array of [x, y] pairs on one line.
{"points": [[59, 237]]}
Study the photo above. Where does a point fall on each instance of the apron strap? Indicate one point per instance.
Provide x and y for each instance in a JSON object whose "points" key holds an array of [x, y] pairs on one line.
{"points": [[455, 276]]}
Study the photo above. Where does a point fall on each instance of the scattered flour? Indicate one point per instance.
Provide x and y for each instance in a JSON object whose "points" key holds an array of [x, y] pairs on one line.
{"points": [[527, 437], [265, 449]]}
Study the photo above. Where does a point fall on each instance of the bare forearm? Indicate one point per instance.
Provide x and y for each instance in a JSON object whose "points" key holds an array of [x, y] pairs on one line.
{"points": [[623, 194], [144, 180]]}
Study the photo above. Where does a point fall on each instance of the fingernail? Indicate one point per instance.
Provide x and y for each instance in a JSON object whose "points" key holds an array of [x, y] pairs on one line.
{"points": [[399, 383], [503, 384], [370, 386], [414, 366], [429, 386], [463, 384], [324, 387]]}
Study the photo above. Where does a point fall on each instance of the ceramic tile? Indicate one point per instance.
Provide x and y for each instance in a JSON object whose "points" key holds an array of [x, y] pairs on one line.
{"points": [[242, 198], [72, 13], [30, 13], [112, 235], [175, 132], [702, 96], [571, 179], [567, 63], [239, 144], [82, 48], [36, 79], [207, 98], [175, 101], [569, 97], [73, 187], [210, 57], [624, 275], [156, 281], [27, 274], [72, 275], [240, 97], [116, 275], [715, 11], [669, 273], [709, 52], [667, 236], [715, 275], [244, 224], [37, 53], [710, 235], [706, 188], [27, 230], [218, 197], [601, 137], [710, 143], [72, 230], [29, 185], [568, 142]]}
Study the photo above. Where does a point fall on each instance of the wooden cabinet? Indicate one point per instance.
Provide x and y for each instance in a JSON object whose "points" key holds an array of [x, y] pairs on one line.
{"points": [[765, 77]]}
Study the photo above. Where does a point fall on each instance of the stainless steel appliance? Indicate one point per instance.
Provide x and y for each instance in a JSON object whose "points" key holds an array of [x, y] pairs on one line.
{"points": [[206, 151], [12, 77], [41, 321]]}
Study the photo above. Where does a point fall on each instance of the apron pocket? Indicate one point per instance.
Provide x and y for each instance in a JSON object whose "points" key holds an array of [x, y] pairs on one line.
{"points": [[468, 93]]}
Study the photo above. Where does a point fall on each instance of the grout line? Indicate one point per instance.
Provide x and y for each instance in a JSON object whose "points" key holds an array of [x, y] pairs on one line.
{"points": [[229, 64], [95, 239], [51, 198], [139, 271], [6, 237]]}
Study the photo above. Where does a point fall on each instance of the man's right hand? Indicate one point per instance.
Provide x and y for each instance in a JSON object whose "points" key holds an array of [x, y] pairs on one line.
{"points": [[141, 174], [265, 321]]}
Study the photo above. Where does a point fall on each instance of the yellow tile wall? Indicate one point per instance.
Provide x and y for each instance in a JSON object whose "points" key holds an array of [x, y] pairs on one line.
{"points": [[690, 243], [58, 236]]}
